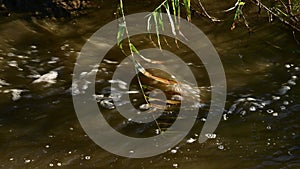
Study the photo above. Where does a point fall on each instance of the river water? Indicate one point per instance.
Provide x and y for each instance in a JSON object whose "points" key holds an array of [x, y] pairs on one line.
{"points": [[39, 127]]}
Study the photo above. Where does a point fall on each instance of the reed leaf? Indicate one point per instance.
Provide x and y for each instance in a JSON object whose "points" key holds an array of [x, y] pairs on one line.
{"points": [[187, 5]]}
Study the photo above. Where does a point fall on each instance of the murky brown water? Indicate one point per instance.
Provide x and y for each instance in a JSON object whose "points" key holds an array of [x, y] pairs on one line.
{"points": [[39, 127]]}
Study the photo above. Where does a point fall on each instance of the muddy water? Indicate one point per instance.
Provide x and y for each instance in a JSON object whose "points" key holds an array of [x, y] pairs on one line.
{"points": [[39, 127]]}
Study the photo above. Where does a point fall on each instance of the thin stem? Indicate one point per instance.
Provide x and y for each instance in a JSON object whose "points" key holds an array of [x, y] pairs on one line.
{"points": [[137, 66]]}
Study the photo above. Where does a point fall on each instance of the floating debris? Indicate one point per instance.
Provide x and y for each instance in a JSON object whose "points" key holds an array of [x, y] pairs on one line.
{"points": [[48, 78], [16, 93]]}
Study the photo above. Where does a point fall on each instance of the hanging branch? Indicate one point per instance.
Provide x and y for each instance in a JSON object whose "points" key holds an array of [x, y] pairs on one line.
{"points": [[294, 24]]}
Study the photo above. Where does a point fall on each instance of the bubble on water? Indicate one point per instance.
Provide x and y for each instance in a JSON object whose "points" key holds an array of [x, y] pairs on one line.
{"points": [[287, 66], [52, 62], [203, 119], [51, 165], [176, 97], [59, 164], [115, 96], [131, 151], [275, 114], [110, 61], [144, 106], [26, 161], [284, 90], [252, 108], [71, 128], [173, 151], [241, 100], [33, 46], [87, 157], [243, 113], [282, 107], [64, 47], [175, 165], [221, 147], [3, 83], [294, 77], [286, 103], [11, 159], [35, 76], [297, 68], [157, 131], [47, 146], [107, 104], [225, 117], [232, 108], [13, 63], [10, 54], [121, 84], [191, 140], [210, 136], [22, 57], [269, 127], [266, 102], [270, 111], [251, 99], [292, 82], [276, 97]]}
